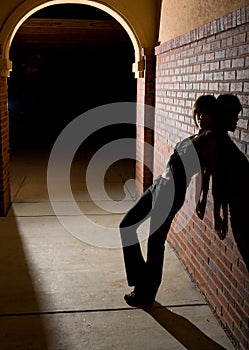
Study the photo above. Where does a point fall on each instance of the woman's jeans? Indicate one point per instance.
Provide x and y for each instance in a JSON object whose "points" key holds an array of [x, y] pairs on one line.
{"points": [[161, 201]]}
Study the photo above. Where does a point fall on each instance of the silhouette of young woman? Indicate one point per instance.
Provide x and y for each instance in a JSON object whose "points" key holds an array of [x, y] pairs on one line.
{"points": [[161, 201]]}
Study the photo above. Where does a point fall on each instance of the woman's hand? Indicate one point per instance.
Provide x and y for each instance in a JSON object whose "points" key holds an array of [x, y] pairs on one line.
{"points": [[221, 227], [200, 209]]}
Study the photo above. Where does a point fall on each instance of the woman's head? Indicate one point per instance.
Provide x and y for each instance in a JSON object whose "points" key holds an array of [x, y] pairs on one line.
{"points": [[228, 107], [204, 111]]}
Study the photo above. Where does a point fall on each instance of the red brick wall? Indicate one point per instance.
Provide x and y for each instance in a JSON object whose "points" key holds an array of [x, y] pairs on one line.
{"points": [[4, 149], [212, 59], [145, 123], [140, 135]]}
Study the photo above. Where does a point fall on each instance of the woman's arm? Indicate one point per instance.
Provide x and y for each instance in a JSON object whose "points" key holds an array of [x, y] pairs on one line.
{"points": [[201, 203], [214, 157]]}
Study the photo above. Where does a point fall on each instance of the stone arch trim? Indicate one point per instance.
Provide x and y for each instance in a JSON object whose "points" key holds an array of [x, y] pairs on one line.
{"points": [[27, 8]]}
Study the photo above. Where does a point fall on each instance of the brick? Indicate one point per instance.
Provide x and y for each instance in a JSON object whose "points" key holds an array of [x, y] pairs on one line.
{"points": [[214, 66], [230, 75], [243, 50], [218, 76], [213, 87], [236, 86], [209, 56], [205, 67], [245, 87], [245, 136], [226, 64], [244, 98], [227, 42], [231, 52], [220, 54], [224, 87], [204, 86], [192, 60], [243, 74], [238, 62], [239, 39], [201, 58]]}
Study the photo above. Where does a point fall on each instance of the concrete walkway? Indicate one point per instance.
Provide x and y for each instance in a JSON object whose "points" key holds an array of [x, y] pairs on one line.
{"points": [[62, 292]]}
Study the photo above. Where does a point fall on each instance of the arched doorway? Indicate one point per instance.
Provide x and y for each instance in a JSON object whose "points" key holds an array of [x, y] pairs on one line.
{"points": [[10, 29], [25, 10], [67, 59]]}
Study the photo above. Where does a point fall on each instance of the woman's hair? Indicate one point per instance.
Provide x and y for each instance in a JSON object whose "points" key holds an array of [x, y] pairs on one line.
{"points": [[228, 108], [227, 101], [204, 103]]}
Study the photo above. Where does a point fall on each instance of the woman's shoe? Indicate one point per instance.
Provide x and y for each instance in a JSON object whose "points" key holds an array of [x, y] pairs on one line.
{"points": [[136, 299]]}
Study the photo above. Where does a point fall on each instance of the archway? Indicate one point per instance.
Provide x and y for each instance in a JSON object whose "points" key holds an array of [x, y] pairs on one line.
{"points": [[16, 19], [67, 59], [26, 9]]}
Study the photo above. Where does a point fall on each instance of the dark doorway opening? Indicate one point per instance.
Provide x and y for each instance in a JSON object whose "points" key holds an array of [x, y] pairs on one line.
{"points": [[67, 59]]}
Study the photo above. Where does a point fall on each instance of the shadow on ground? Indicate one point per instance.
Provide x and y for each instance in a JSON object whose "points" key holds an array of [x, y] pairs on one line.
{"points": [[181, 328], [17, 294]]}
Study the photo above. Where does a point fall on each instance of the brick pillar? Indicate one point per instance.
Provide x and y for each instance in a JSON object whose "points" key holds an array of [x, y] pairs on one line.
{"points": [[4, 142], [145, 122]]}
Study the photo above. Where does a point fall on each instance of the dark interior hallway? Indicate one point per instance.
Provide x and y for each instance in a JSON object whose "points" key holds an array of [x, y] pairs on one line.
{"points": [[67, 59]]}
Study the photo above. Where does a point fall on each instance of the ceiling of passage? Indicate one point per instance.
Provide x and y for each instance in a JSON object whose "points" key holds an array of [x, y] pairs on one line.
{"points": [[71, 26]]}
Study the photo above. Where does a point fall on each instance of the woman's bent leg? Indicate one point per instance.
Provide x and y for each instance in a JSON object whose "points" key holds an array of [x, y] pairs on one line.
{"points": [[166, 204], [133, 257]]}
